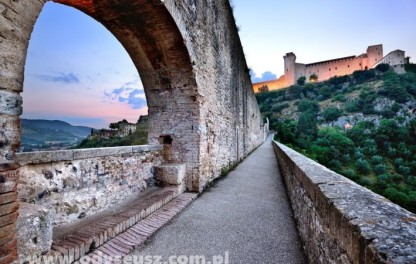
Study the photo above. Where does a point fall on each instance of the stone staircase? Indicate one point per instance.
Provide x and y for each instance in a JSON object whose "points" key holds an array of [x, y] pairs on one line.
{"points": [[117, 234]]}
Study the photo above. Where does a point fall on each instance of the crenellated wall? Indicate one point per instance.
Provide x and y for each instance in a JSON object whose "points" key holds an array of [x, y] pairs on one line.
{"points": [[342, 222], [73, 182]]}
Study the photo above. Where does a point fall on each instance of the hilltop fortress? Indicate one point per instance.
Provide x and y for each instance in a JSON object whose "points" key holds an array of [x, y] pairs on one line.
{"points": [[324, 70]]}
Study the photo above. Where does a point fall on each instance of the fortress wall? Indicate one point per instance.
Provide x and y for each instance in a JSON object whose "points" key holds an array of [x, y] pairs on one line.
{"points": [[300, 71], [71, 182], [328, 70], [340, 221], [272, 85]]}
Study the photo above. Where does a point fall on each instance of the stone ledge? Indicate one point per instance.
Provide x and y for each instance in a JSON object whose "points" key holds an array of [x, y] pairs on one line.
{"points": [[68, 155], [342, 221], [171, 173]]}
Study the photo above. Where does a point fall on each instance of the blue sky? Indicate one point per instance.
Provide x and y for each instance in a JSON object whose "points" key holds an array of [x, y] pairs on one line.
{"points": [[321, 29], [89, 79]]}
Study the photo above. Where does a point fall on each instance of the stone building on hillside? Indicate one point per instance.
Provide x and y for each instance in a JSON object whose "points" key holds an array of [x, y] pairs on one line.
{"points": [[325, 70], [126, 129], [123, 130]]}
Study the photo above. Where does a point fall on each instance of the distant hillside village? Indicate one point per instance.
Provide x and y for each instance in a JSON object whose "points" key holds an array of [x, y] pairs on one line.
{"points": [[324, 70], [120, 129]]}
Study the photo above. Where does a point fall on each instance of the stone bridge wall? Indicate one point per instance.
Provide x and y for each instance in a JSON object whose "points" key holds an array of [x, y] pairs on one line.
{"points": [[73, 182], [342, 222], [191, 62]]}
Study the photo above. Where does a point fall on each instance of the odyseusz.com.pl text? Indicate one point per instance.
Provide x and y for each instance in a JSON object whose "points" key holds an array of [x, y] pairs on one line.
{"points": [[99, 257]]}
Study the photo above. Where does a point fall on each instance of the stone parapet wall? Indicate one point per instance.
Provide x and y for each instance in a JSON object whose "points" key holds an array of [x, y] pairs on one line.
{"points": [[342, 222], [75, 183]]}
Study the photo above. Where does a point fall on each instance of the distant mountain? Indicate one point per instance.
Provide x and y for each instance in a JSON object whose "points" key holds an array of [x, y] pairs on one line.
{"points": [[51, 134], [80, 131]]}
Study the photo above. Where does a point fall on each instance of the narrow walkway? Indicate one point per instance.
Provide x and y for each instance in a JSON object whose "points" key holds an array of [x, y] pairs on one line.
{"points": [[247, 214]]}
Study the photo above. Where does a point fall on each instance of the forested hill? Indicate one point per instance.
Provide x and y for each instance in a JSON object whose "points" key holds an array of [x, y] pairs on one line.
{"points": [[42, 134], [79, 131], [362, 126]]}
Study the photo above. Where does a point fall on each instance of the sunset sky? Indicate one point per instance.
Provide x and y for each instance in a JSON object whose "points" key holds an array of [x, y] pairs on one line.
{"points": [[78, 72]]}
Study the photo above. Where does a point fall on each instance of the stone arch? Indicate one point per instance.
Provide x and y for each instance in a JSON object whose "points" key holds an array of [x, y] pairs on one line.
{"points": [[149, 34], [189, 56]]}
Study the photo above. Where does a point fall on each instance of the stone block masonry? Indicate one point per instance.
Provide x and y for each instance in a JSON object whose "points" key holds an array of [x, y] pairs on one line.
{"points": [[342, 222], [171, 175], [34, 230], [76, 183], [197, 84]]}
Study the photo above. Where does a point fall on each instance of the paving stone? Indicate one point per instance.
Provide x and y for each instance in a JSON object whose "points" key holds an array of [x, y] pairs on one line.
{"points": [[120, 247], [124, 240], [119, 234]]}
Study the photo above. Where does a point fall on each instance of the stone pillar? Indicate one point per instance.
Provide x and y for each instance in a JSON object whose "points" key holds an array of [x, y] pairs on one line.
{"points": [[171, 174], [35, 231], [10, 109], [17, 19]]}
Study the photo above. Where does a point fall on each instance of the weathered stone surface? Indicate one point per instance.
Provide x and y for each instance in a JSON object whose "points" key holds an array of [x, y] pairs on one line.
{"points": [[10, 103], [16, 23], [171, 174], [40, 157], [9, 141], [100, 152], [342, 222], [146, 148], [197, 84], [101, 178], [8, 186], [34, 230], [44, 156]]}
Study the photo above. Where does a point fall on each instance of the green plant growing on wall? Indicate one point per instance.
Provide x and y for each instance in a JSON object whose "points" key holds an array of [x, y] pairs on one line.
{"points": [[313, 77]]}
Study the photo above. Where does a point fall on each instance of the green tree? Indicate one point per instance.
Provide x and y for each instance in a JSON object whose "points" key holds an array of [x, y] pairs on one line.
{"points": [[363, 166], [391, 130], [313, 77], [296, 91], [331, 114], [325, 92], [264, 89], [117, 124], [383, 67], [335, 137], [307, 124], [306, 105], [380, 169], [286, 131], [301, 80]]}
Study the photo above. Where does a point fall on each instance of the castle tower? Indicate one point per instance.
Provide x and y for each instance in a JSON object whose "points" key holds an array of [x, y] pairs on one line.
{"points": [[374, 55], [290, 68]]}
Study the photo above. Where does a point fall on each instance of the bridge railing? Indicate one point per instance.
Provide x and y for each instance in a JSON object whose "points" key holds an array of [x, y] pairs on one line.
{"points": [[340, 221], [73, 183]]}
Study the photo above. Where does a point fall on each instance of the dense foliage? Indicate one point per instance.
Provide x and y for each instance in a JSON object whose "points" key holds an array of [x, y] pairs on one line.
{"points": [[139, 137], [378, 153]]}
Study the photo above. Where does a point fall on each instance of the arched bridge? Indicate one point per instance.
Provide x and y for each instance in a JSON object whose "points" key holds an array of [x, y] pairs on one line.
{"points": [[204, 120], [202, 109]]}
